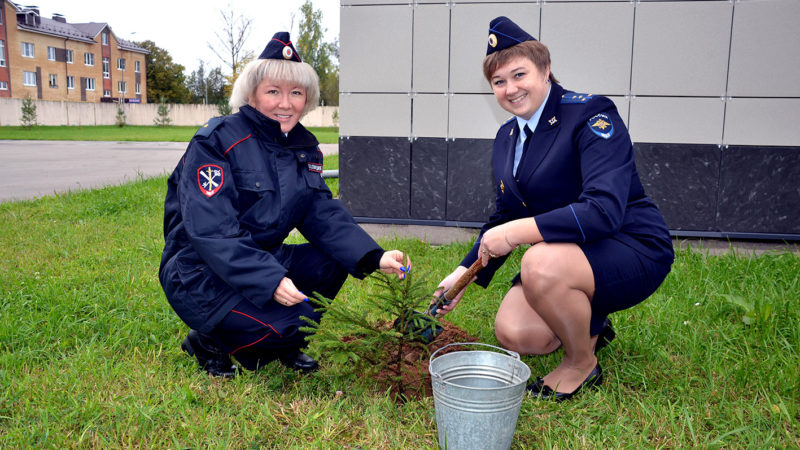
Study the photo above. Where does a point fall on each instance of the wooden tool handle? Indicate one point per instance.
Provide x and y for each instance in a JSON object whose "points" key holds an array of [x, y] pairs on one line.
{"points": [[464, 280]]}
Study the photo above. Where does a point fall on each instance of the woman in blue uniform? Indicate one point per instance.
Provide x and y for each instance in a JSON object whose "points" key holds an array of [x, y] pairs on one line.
{"points": [[245, 182], [567, 186]]}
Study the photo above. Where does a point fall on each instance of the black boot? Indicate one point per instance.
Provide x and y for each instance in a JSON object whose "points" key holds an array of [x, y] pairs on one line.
{"points": [[299, 361], [208, 354]]}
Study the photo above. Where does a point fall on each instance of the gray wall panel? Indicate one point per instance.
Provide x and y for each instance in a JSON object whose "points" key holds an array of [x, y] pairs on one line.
{"points": [[681, 48], [476, 116], [762, 121], [372, 60], [600, 64], [765, 44], [676, 120], [469, 36], [430, 115], [375, 115], [431, 48]]}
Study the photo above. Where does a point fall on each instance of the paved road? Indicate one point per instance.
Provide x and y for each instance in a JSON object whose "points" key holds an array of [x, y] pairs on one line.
{"points": [[33, 169]]}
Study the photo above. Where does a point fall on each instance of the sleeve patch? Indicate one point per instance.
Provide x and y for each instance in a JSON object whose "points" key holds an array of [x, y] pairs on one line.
{"points": [[601, 125], [209, 179]]}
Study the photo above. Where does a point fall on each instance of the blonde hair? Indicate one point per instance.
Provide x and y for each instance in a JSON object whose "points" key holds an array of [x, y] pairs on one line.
{"points": [[275, 70]]}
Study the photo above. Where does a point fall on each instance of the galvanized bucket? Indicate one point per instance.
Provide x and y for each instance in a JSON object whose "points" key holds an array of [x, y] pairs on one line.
{"points": [[477, 396]]}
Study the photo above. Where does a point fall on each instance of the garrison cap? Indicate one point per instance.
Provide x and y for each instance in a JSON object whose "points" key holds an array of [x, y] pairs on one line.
{"points": [[280, 47], [504, 33]]}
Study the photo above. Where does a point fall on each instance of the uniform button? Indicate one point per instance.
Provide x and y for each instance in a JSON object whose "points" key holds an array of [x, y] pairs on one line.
{"points": [[258, 184]]}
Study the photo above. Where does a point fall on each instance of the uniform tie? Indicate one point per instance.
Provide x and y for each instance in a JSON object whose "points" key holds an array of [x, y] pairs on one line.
{"points": [[525, 145]]}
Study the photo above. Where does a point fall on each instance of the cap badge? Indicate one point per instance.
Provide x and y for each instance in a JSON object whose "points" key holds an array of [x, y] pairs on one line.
{"points": [[287, 52], [492, 40]]}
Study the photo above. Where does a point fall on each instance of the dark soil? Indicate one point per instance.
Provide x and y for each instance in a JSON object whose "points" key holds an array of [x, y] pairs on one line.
{"points": [[416, 380]]}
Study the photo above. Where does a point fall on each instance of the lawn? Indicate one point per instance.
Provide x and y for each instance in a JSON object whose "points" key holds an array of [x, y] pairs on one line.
{"points": [[128, 133], [89, 351]]}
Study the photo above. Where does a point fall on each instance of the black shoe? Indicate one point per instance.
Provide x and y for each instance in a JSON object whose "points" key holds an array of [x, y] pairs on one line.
{"points": [[544, 392], [210, 357], [605, 337], [299, 361]]}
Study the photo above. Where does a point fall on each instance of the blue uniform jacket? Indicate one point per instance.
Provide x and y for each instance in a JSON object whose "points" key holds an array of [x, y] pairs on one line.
{"points": [[236, 194], [577, 179]]}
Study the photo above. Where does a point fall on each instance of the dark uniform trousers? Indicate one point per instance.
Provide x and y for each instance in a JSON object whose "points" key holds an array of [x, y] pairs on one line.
{"points": [[256, 336]]}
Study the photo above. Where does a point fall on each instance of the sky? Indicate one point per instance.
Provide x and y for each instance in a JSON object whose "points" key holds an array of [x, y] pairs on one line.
{"points": [[183, 27]]}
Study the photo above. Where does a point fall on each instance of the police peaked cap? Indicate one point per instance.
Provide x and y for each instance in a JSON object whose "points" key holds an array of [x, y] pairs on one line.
{"points": [[280, 47], [504, 33]]}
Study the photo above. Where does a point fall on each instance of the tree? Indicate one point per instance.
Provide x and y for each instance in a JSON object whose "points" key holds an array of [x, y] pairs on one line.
{"points": [[165, 78], [319, 54], [162, 120], [207, 87], [28, 119], [230, 48]]}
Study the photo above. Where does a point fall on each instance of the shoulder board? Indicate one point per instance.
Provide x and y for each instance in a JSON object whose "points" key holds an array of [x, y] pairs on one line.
{"points": [[208, 127], [574, 97]]}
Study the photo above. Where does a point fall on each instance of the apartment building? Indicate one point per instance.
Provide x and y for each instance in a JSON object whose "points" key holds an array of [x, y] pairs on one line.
{"points": [[51, 59]]}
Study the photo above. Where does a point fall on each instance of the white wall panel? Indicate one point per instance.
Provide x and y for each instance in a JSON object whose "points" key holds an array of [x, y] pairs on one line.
{"points": [[431, 48], [469, 39], [375, 115], [681, 48], [475, 116], [429, 115], [676, 120], [623, 106], [765, 49], [762, 121], [593, 53], [375, 54]]}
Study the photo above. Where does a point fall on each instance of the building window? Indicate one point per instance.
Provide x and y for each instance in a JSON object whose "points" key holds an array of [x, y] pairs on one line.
{"points": [[105, 38], [107, 93], [138, 66], [88, 59], [70, 56], [89, 84], [121, 63], [122, 86], [27, 49], [53, 80], [3, 86], [105, 68], [29, 78], [2, 53], [138, 88], [70, 82], [51, 53]]}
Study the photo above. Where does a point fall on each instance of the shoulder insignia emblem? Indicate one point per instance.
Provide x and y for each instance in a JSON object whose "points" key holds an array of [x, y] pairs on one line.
{"points": [[574, 97], [209, 179], [208, 127], [601, 125]]}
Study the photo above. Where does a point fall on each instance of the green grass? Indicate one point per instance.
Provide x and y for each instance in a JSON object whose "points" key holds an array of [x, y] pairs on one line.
{"points": [[326, 135], [89, 351]]}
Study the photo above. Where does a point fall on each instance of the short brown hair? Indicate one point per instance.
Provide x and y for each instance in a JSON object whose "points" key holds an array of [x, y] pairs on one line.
{"points": [[533, 50]]}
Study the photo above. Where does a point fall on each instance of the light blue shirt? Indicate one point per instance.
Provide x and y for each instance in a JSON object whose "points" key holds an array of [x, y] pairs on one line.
{"points": [[532, 122]]}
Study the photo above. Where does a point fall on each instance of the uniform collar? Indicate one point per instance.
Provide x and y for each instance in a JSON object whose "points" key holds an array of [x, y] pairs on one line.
{"points": [[550, 117], [297, 136], [534, 120]]}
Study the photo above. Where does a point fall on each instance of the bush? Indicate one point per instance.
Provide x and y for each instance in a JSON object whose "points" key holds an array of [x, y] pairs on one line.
{"points": [[120, 117], [28, 119], [162, 120]]}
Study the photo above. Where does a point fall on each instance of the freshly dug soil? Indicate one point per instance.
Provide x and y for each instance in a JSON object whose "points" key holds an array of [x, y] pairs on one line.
{"points": [[416, 380]]}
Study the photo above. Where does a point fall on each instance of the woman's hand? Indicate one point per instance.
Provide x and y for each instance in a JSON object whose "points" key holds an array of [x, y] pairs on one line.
{"points": [[392, 262], [448, 283], [495, 243], [287, 294]]}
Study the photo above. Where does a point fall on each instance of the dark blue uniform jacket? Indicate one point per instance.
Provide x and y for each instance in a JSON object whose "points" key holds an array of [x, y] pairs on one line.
{"points": [[577, 179], [237, 193]]}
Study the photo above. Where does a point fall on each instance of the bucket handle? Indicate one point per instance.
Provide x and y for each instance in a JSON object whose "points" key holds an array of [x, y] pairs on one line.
{"points": [[511, 353]]}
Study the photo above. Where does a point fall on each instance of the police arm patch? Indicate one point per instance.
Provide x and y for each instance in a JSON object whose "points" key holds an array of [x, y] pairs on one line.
{"points": [[209, 179], [601, 125]]}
